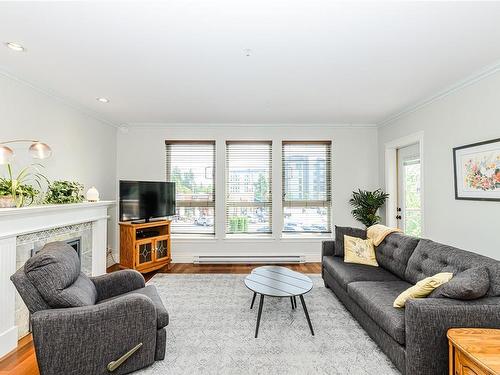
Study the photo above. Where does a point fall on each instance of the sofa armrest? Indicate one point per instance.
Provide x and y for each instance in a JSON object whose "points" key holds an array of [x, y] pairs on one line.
{"points": [[115, 283], [84, 340], [327, 248], [427, 321]]}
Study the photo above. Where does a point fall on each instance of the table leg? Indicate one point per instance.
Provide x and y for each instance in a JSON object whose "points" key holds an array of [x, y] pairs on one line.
{"points": [[295, 301], [261, 302], [291, 301], [253, 300], [307, 314]]}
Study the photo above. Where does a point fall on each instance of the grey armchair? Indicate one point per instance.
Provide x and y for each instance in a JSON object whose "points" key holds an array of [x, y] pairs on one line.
{"points": [[100, 325]]}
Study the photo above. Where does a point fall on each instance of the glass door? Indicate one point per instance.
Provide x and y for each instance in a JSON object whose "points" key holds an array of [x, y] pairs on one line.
{"points": [[144, 252], [162, 248], [409, 212]]}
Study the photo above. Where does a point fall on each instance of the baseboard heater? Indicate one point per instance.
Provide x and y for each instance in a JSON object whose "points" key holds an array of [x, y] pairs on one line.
{"points": [[238, 259]]}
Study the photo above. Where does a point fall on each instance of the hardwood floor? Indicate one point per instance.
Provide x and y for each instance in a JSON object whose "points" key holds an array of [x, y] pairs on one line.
{"points": [[22, 361]]}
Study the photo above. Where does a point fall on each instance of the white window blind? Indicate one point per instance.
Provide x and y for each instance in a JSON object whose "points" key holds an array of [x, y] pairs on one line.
{"points": [[248, 187], [191, 165], [306, 187]]}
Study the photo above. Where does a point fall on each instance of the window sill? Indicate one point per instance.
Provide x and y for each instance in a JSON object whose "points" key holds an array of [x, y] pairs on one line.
{"points": [[192, 237], [306, 236], [249, 237]]}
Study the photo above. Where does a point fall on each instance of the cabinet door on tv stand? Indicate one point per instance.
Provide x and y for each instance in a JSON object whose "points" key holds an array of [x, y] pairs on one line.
{"points": [[144, 253], [162, 248]]}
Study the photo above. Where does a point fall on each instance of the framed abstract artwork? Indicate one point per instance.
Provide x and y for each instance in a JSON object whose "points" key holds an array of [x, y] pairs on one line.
{"points": [[477, 171]]}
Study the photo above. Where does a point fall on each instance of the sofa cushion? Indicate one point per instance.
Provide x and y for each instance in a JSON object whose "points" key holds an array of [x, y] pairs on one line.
{"points": [[376, 299], [469, 284], [340, 232], [55, 272], [150, 292], [394, 251], [345, 273], [432, 257]]}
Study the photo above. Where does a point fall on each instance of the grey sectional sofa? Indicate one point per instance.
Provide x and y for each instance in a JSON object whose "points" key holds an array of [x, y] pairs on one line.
{"points": [[414, 338]]}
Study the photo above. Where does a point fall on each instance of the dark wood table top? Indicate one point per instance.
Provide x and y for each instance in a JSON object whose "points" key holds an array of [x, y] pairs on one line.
{"points": [[276, 281]]}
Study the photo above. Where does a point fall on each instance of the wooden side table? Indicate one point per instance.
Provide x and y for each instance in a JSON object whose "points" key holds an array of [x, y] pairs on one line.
{"points": [[474, 351]]}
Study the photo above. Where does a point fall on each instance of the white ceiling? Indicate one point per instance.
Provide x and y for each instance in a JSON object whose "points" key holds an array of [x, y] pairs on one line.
{"points": [[182, 61]]}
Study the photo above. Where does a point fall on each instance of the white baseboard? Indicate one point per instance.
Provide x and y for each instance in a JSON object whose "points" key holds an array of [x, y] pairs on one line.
{"points": [[8, 341]]}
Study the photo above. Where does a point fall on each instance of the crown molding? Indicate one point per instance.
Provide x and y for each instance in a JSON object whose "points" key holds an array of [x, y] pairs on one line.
{"points": [[460, 85], [49, 93], [153, 125]]}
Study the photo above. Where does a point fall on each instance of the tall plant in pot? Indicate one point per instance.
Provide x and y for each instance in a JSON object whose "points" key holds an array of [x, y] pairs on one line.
{"points": [[366, 205], [18, 190]]}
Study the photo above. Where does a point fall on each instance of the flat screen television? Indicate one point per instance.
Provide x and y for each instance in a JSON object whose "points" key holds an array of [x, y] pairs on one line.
{"points": [[146, 200]]}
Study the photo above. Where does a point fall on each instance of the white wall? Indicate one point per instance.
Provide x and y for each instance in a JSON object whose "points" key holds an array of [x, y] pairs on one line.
{"points": [[84, 149], [141, 156], [469, 115]]}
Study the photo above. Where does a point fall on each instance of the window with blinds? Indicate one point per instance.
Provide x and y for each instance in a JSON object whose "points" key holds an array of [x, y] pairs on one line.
{"points": [[191, 165], [248, 187], [306, 187]]}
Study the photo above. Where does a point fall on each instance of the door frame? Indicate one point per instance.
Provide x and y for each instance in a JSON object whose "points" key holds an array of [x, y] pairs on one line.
{"points": [[391, 176]]}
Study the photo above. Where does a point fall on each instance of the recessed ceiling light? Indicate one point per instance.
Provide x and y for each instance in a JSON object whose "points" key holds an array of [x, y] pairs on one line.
{"points": [[103, 100], [15, 46]]}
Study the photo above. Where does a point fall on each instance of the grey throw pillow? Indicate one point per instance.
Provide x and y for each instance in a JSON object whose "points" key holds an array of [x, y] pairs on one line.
{"points": [[340, 232], [55, 272], [469, 284]]}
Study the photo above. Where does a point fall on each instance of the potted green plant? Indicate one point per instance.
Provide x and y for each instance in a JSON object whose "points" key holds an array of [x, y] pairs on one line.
{"points": [[62, 192], [366, 204], [6, 197], [17, 191]]}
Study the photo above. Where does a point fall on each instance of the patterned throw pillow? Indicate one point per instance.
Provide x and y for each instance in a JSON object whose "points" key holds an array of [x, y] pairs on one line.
{"points": [[423, 288], [357, 250], [340, 232]]}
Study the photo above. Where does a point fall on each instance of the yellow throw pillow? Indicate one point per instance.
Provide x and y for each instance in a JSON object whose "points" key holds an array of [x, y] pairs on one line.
{"points": [[423, 288], [357, 250]]}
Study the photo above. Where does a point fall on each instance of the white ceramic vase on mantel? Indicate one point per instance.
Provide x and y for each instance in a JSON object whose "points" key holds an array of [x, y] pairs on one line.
{"points": [[92, 195]]}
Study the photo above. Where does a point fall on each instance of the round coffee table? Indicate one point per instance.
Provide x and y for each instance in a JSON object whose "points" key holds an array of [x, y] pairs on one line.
{"points": [[275, 281]]}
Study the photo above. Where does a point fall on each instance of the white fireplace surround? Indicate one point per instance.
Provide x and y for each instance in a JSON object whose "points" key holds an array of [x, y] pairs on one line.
{"points": [[19, 221]]}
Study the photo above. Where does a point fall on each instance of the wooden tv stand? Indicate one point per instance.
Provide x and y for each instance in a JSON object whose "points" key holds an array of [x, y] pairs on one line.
{"points": [[145, 247]]}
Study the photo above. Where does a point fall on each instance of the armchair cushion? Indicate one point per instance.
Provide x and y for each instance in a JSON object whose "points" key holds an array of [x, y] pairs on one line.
{"points": [[150, 292], [55, 272]]}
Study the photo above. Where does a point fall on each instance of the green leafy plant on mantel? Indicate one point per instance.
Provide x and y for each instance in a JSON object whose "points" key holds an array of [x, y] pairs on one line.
{"points": [[61, 192], [366, 205], [18, 191]]}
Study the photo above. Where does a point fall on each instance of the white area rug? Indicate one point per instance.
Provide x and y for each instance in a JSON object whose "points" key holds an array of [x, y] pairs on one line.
{"points": [[212, 329]]}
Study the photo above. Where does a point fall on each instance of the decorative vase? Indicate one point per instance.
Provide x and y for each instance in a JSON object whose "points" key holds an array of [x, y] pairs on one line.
{"points": [[7, 201], [92, 195]]}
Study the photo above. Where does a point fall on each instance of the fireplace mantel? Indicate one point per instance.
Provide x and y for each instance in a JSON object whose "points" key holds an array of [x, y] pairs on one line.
{"points": [[17, 221]]}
